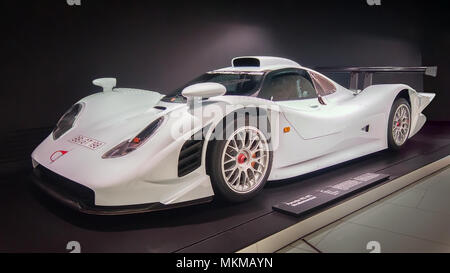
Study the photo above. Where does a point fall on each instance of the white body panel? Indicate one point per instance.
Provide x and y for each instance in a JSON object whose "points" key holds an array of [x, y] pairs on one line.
{"points": [[321, 136]]}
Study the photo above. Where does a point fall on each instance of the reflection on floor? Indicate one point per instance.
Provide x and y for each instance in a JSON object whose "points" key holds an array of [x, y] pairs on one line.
{"points": [[416, 219]]}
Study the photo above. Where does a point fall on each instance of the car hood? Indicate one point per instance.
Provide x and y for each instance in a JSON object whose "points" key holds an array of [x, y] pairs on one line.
{"points": [[114, 116]]}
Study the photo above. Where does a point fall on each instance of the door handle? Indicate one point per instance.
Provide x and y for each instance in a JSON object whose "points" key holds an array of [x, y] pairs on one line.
{"points": [[314, 106]]}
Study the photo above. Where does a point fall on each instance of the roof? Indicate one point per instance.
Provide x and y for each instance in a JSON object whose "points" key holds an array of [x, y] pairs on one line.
{"points": [[259, 63]]}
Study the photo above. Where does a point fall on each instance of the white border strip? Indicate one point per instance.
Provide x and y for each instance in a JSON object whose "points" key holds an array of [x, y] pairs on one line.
{"points": [[313, 223]]}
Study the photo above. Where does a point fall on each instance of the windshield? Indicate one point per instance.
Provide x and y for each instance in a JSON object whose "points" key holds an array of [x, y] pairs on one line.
{"points": [[236, 83]]}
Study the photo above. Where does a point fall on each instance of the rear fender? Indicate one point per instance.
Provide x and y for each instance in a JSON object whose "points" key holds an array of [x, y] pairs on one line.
{"points": [[390, 92]]}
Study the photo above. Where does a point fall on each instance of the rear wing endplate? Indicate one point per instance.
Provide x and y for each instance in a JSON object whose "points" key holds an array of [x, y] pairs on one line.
{"points": [[367, 72]]}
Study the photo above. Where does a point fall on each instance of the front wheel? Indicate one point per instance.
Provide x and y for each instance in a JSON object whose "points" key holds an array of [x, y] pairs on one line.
{"points": [[240, 165], [399, 124]]}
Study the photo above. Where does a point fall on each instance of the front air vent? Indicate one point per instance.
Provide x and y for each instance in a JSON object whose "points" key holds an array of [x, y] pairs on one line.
{"points": [[190, 157], [68, 189]]}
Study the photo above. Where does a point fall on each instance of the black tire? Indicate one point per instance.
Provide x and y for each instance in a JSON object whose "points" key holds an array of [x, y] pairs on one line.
{"points": [[214, 166], [393, 145]]}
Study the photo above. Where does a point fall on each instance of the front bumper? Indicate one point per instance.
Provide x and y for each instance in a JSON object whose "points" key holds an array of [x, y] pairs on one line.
{"points": [[81, 198]]}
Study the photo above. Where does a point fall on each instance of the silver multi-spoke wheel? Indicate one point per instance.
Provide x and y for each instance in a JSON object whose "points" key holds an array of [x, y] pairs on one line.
{"points": [[245, 159], [401, 124]]}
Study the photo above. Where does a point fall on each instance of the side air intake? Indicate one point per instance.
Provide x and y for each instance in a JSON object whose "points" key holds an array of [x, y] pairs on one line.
{"points": [[190, 157]]}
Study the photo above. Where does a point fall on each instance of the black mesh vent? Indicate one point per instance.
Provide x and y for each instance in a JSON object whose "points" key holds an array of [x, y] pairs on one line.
{"points": [[67, 188], [190, 157]]}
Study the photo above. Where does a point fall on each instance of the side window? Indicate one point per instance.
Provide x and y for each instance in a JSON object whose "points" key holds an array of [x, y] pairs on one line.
{"points": [[290, 85], [323, 85], [305, 88]]}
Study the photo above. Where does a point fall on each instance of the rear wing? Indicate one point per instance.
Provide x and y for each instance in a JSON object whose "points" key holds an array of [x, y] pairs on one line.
{"points": [[367, 72]]}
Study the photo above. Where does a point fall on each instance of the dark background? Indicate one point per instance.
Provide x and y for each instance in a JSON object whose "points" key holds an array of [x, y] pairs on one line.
{"points": [[52, 51]]}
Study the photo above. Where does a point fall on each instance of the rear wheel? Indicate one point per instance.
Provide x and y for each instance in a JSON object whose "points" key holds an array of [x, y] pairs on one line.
{"points": [[240, 165], [399, 124]]}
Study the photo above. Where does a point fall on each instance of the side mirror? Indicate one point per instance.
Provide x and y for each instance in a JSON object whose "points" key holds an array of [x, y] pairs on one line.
{"points": [[106, 83], [197, 91]]}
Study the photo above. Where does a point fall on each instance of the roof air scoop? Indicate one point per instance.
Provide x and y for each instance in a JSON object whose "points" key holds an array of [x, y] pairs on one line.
{"points": [[246, 62], [106, 83], [262, 62]]}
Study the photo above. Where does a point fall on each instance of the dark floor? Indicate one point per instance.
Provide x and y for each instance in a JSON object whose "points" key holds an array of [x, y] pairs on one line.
{"points": [[32, 222]]}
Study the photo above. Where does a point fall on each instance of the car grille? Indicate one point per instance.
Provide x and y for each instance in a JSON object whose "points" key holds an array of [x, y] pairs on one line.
{"points": [[190, 157], [65, 187]]}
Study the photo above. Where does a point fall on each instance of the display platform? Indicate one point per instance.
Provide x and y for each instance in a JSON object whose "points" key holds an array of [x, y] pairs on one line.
{"points": [[325, 195], [33, 222]]}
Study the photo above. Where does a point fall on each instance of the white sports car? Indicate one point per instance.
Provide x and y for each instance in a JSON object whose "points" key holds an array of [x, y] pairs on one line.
{"points": [[225, 133]]}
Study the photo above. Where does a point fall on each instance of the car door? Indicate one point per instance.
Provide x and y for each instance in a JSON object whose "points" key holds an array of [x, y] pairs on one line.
{"points": [[317, 125], [295, 91]]}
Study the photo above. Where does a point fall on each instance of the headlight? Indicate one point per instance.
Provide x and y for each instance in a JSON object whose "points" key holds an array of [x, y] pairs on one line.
{"points": [[67, 120], [130, 145]]}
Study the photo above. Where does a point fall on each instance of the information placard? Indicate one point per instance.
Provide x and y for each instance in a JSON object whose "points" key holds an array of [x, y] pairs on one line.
{"points": [[307, 202]]}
